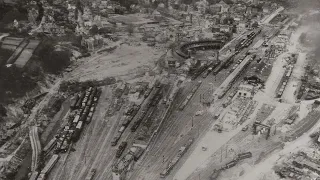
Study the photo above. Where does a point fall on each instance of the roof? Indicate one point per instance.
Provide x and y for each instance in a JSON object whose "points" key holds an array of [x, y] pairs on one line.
{"points": [[260, 70], [155, 12], [222, 3], [26, 53]]}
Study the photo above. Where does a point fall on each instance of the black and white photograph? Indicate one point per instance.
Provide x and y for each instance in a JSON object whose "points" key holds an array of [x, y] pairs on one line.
{"points": [[159, 89]]}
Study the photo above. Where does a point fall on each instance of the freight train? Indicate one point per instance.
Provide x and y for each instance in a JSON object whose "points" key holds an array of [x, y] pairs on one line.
{"points": [[211, 68], [245, 42], [189, 96], [46, 170], [139, 120], [154, 100], [85, 107], [175, 160], [245, 155], [121, 149]]}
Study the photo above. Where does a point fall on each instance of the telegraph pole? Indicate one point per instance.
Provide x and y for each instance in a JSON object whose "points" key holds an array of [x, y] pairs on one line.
{"points": [[198, 130], [227, 151]]}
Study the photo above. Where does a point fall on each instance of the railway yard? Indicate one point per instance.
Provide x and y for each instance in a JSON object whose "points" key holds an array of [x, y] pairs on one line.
{"points": [[247, 108], [167, 130]]}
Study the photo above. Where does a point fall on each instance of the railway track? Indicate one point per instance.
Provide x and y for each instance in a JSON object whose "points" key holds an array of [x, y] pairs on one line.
{"points": [[308, 122], [36, 147]]}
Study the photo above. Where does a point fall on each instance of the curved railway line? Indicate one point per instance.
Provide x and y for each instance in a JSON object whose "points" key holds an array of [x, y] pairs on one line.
{"points": [[183, 49], [36, 147]]}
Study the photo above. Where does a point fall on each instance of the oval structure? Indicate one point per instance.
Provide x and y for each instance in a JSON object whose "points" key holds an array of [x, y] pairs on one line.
{"points": [[183, 49]]}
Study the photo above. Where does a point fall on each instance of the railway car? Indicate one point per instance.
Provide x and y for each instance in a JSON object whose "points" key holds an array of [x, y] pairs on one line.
{"points": [[136, 151], [97, 96], [54, 159], [91, 174], [228, 62], [196, 87], [77, 132], [245, 155], [94, 91], [164, 173], [216, 71], [240, 44], [93, 108], [76, 119], [135, 126], [83, 118], [74, 102], [85, 100], [147, 92], [182, 54], [64, 146], [34, 175], [215, 174], [89, 117], [90, 89], [86, 111], [126, 120], [80, 99], [156, 100], [51, 143], [230, 164], [116, 139], [41, 177], [90, 100], [121, 149]]}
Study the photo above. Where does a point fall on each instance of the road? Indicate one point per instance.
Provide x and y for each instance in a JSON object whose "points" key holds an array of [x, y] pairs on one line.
{"points": [[267, 165], [36, 147], [267, 19], [177, 130], [198, 156]]}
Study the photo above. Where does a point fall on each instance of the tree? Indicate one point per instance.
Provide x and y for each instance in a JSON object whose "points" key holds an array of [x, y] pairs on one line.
{"points": [[53, 60], [255, 24], [14, 82], [172, 45], [3, 111], [130, 29], [56, 61], [107, 30], [94, 30], [303, 38]]}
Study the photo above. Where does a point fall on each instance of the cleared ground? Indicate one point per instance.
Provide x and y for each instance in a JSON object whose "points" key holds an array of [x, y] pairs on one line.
{"points": [[125, 63]]}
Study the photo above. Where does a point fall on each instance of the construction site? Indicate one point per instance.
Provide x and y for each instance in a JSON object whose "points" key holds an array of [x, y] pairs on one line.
{"points": [[200, 107]]}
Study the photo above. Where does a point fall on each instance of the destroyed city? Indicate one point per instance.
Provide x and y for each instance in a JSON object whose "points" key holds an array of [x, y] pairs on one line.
{"points": [[159, 90]]}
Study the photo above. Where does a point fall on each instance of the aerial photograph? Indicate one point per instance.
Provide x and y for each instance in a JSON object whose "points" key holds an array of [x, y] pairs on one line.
{"points": [[159, 90]]}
